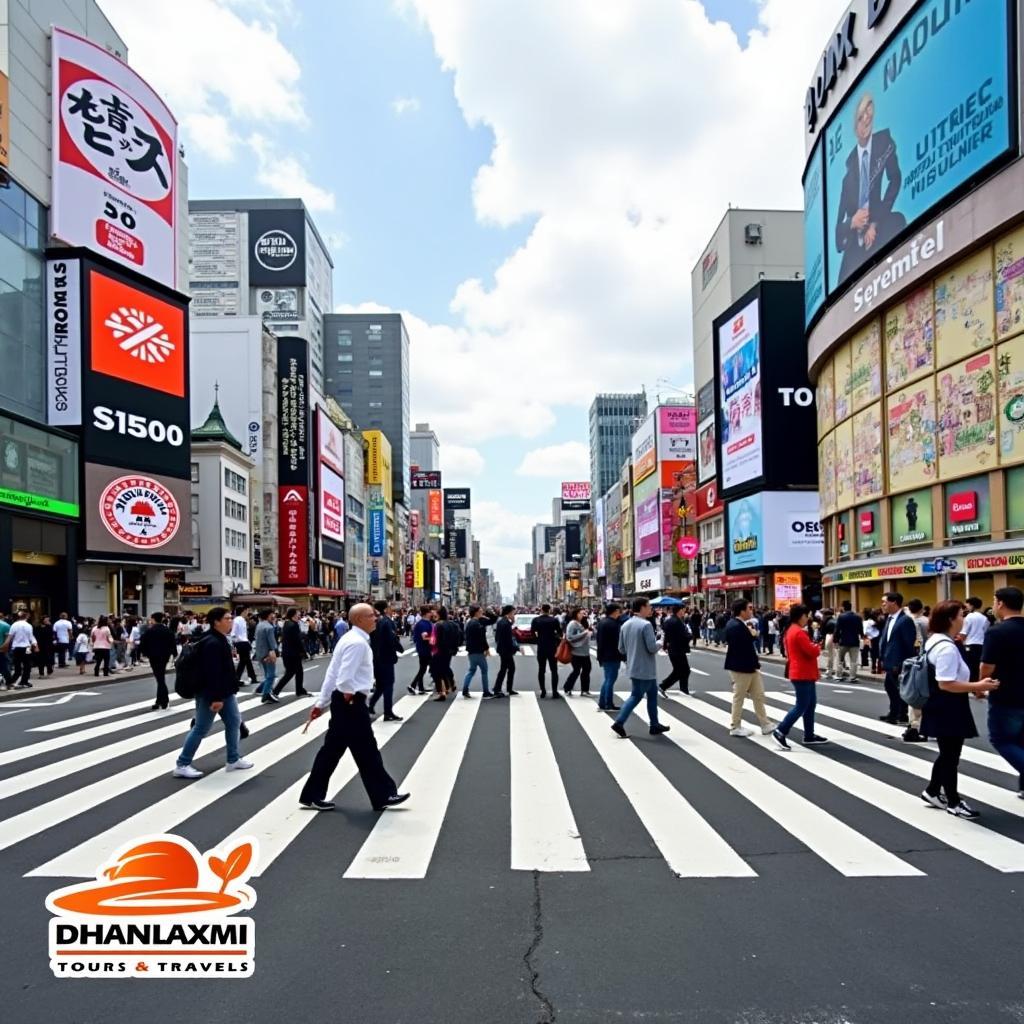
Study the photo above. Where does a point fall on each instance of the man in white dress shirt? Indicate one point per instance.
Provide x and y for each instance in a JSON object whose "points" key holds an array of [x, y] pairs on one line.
{"points": [[347, 686], [23, 647], [973, 636]]}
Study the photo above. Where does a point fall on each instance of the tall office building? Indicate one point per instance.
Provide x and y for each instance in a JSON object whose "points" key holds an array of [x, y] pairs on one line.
{"points": [[424, 448], [366, 371], [613, 418]]}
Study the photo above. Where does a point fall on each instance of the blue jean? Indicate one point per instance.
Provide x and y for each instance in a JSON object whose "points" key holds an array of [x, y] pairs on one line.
{"points": [[269, 675], [205, 716], [806, 702], [476, 661], [1006, 734], [641, 688], [611, 674]]}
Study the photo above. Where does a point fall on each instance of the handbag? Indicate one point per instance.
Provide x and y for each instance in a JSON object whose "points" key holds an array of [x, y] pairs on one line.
{"points": [[563, 655]]}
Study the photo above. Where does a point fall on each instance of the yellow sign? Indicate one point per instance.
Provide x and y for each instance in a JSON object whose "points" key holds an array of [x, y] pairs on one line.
{"points": [[872, 572], [5, 120], [788, 590], [418, 570], [378, 461]]}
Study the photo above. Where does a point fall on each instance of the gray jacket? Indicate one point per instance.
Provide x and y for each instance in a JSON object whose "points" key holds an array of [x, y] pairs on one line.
{"points": [[264, 641], [639, 644], [579, 639]]}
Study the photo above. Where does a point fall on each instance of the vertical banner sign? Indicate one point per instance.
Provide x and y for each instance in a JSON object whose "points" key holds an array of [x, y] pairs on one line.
{"points": [[5, 121], [599, 544], [434, 513], [677, 433], [115, 151], [740, 430], [293, 460], [418, 570], [377, 533], [64, 343]]}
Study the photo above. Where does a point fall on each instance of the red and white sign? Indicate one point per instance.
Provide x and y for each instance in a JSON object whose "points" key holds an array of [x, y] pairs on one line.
{"points": [[135, 336], [730, 582], [688, 547], [707, 501], [139, 511], [115, 151], [434, 516], [332, 505], [293, 534], [677, 433], [332, 442], [576, 491], [867, 522], [963, 507]]}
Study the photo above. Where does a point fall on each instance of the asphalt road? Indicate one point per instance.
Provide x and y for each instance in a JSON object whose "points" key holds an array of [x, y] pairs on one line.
{"points": [[687, 878]]}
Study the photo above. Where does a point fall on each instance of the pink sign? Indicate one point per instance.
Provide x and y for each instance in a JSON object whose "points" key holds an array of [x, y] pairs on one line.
{"points": [[688, 547]]}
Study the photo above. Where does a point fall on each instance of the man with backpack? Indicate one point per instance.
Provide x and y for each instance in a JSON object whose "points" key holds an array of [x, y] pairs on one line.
{"points": [[206, 668]]}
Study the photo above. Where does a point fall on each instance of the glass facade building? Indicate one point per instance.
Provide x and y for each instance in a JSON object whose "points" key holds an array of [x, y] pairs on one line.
{"points": [[613, 419]]}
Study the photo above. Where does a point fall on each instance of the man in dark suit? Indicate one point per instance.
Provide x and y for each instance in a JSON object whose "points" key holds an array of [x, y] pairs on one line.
{"points": [[386, 648], [293, 650], [848, 636], [676, 641], [548, 632], [866, 220], [506, 645], [744, 668], [895, 645], [157, 644]]}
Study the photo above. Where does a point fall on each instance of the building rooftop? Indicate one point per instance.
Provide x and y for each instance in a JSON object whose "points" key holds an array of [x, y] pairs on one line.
{"points": [[215, 429]]}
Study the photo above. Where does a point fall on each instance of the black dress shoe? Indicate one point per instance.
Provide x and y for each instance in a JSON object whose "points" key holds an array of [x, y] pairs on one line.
{"points": [[393, 718], [887, 718], [657, 730], [513, 693], [393, 801], [619, 730], [316, 805], [243, 731], [556, 695]]}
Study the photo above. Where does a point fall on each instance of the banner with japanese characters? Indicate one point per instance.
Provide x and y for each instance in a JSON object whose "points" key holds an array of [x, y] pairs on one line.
{"points": [[115, 149]]}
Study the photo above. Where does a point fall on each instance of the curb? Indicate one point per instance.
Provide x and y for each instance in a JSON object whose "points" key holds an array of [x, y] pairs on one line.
{"points": [[86, 682]]}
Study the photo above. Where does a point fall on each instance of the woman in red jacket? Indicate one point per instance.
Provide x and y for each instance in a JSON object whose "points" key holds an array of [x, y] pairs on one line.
{"points": [[803, 674]]}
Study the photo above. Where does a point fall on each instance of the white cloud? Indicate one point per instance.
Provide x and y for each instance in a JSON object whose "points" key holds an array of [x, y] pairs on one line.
{"points": [[286, 176], [568, 461], [405, 105], [458, 462], [501, 534]]}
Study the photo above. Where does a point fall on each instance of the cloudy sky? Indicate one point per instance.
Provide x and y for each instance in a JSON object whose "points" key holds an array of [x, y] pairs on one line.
{"points": [[529, 182]]}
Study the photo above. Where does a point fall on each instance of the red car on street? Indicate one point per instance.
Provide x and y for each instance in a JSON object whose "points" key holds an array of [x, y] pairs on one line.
{"points": [[521, 629]]}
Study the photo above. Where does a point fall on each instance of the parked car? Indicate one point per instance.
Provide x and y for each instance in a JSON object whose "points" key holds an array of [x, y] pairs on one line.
{"points": [[521, 629]]}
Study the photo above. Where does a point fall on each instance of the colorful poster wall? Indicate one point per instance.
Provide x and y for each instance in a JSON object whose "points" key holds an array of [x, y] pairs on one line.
{"points": [[868, 474], [1010, 285], [910, 339], [843, 435], [827, 474], [910, 429], [1010, 360], [842, 371], [824, 393], [964, 309], [866, 366], [966, 415]]}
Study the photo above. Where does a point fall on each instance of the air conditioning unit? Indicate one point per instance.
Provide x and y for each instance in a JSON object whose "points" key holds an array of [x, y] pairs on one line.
{"points": [[752, 234]]}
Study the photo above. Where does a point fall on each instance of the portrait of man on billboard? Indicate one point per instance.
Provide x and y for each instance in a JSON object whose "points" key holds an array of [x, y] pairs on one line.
{"points": [[866, 219]]}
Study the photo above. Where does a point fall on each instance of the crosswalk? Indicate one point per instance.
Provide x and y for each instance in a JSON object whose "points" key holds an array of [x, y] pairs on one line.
{"points": [[703, 803]]}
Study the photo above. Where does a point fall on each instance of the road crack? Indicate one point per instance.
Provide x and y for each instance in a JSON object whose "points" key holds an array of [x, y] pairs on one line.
{"points": [[547, 1008]]}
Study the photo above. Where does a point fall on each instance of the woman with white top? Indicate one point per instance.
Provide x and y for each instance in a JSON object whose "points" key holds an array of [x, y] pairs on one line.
{"points": [[947, 712]]}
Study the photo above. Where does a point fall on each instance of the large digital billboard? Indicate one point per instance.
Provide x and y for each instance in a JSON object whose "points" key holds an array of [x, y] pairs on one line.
{"points": [[814, 235], [647, 521], [771, 528], [576, 496], [277, 248], [739, 382], [934, 109], [677, 433], [644, 451]]}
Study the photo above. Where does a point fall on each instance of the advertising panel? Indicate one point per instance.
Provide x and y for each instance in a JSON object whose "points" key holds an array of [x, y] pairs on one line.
{"points": [[332, 505], [278, 305], [38, 470], [648, 579], [435, 515], [454, 542], [457, 499], [425, 480], [706, 501], [825, 397], [868, 527], [932, 111], [866, 366], [911, 433], [827, 475], [5, 121], [293, 534], [214, 250], [419, 566], [1015, 499], [788, 588], [843, 369], [677, 433], [968, 508], [910, 339], [795, 538], [911, 518], [707, 449], [644, 451], [868, 476], [739, 427], [1010, 360], [965, 408], [573, 542], [814, 234], [647, 521], [746, 533], [599, 539], [843, 437], [576, 496], [114, 148], [1009, 258], [64, 343], [331, 442], [378, 533], [136, 517], [293, 411], [706, 401], [277, 248], [376, 457], [964, 309]]}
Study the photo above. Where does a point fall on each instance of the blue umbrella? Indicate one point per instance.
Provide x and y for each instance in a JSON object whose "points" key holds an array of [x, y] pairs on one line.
{"points": [[666, 602]]}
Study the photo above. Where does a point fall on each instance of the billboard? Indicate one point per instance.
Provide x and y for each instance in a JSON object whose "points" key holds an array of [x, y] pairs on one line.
{"points": [[293, 411], [5, 120], [648, 579], [293, 534], [647, 521], [277, 248], [968, 508], [551, 537], [114, 160], [677, 433], [419, 564], [454, 542], [931, 112], [378, 458], [795, 537], [576, 496], [425, 480], [707, 449], [912, 518], [331, 504], [739, 376], [38, 470], [573, 542], [707, 503], [644, 451], [434, 513], [788, 590], [599, 545], [331, 442], [136, 517], [814, 234], [378, 533], [456, 499], [64, 342]]}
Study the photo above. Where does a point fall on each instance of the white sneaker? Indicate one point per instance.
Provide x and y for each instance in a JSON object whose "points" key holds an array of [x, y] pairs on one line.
{"points": [[741, 731], [239, 765], [188, 772], [767, 729]]}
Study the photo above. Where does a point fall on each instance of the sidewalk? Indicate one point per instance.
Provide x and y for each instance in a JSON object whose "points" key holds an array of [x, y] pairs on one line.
{"points": [[64, 680]]}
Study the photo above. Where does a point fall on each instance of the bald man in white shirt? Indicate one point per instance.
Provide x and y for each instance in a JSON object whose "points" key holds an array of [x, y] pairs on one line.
{"points": [[347, 686]]}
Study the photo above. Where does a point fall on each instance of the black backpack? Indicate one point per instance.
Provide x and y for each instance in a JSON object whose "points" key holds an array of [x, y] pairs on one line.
{"points": [[188, 679]]}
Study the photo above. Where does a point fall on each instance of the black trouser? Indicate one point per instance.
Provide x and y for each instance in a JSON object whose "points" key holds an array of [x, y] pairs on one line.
{"points": [[384, 687], [865, 655], [417, 680], [944, 771], [547, 661], [897, 705], [506, 668], [441, 671], [580, 667], [22, 660], [349, 729], [44, 662], [292, 667], [244, 650], [680, 671], [972, 655], [62, 654], [159, 667], [102, 657], [769, 644]]}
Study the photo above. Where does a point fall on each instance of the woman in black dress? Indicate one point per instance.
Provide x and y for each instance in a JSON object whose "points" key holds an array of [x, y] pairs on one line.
{"points": [[947, 712]]}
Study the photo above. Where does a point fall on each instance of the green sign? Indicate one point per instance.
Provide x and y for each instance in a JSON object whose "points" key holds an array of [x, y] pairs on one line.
{"points": [[867, 527], [38, 503], [1015, 499], [911, 515], [968, 509]]}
